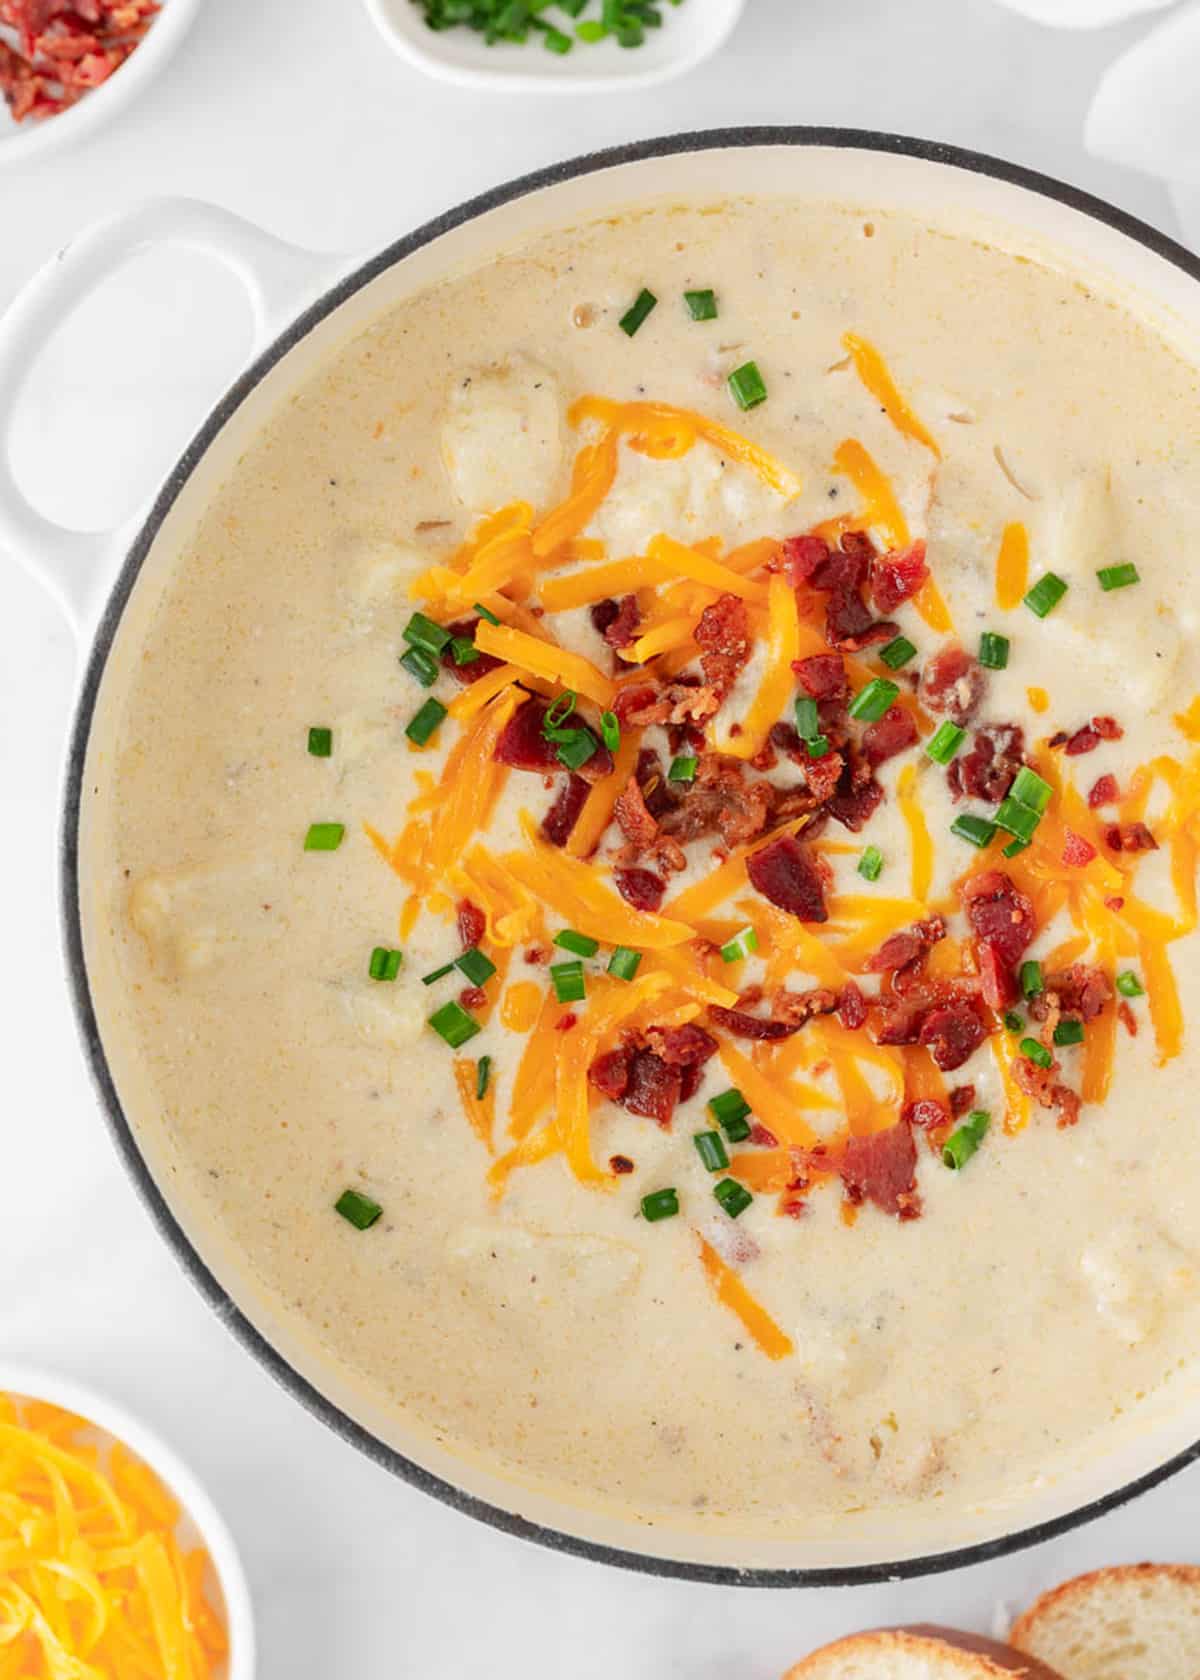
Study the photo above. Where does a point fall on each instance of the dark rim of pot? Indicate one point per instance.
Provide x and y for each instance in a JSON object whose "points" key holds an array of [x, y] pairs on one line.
{"points": [[512, 1522]]}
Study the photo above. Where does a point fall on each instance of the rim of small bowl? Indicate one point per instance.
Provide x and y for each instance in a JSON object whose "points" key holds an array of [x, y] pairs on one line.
{"points": [[35, 1383], [25, 142]]}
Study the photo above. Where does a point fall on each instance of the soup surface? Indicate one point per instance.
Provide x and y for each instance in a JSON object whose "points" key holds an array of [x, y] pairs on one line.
{"points": [[760, 1132]]}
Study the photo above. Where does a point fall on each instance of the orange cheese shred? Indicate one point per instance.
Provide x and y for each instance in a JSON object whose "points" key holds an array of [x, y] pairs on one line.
{"points": [[920, 843], [575, 890], [520, 1006], [593, 476], [873, 371], [665, 433], [667, 559], [881, 510], [480, 1111], [732, 1293], [602, 797], [1012, 567], [544, 659], [777, 1108]]}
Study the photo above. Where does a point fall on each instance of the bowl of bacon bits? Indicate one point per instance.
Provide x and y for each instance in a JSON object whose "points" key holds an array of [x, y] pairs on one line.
{"points": [[113, 1561], [68, 65]]}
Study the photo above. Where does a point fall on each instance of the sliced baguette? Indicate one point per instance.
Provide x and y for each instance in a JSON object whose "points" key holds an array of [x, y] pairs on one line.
{"points": [[1138, 1622], [918, 1653]]}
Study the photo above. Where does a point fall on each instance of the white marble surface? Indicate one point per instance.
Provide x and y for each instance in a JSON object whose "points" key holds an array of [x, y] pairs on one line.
{"points": [[288, 111]]}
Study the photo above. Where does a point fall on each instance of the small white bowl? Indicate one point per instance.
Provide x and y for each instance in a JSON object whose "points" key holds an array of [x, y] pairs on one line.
{"points": [[25, 141], [199, 1512], [690, 33]]}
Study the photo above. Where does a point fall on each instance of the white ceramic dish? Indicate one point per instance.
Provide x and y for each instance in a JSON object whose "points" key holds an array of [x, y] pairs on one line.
{"points": [[200, 1512], [27, 141], [691, 32]]}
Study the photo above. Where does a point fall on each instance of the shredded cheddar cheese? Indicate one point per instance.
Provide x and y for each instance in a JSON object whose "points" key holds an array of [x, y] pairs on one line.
{"points": [[1012, 567], [666, 433], [732, 1293], [881, 510], [873, 371], [544, 659]]}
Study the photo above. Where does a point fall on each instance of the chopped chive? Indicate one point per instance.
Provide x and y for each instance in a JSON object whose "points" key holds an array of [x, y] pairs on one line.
{"points": [[624, 963], [477, 968], [610, 730], [1118, 577], [747, 386], [1129, 985], [733, 1197], [437, 974], [1036, 1052], [740, 946], [945, 742], [484, 613], [963, 1142], [568, 982], [1013, 1022], [808, 719], [818, 747], [870, 864], [660, 1204], [711, 1150], [898, 652], [730, 1111], [702, 306], [452, 1023], [359, 1210], [637, 312], [871, 702], [591, 31], [1031, 979], [993, 651], [577, 749], [558, 713], [1046, 593], [581, 944], [420, 664], [553, 39], [1029, 788], [483, 1072], [422, 632], [1018, 819], [1068, 1032], [385, 963], [463, 651], [320, 743], [977, 830], [683, 769], [324, 837], [1015, 846], [425, 722]]}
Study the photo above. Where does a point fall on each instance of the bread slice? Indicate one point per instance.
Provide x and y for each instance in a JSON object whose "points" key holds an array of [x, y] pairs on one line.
{"points": [[918, 1653], [1139, 1622]]}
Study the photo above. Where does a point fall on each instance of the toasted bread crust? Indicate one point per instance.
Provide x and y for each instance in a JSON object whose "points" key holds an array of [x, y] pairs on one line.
{"points": [[964, 1655], [1024, 1630]]}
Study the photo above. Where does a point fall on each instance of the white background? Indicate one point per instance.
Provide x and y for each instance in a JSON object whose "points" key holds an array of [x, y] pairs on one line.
{"points": [[291, 112]]}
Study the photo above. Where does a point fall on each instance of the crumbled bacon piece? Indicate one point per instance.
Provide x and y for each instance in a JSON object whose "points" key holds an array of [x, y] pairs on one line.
{"points": [[1130, 837], [65, 48], [842, 575], [804, 557], [1107, 728], [686, 1046], [926, 1114], [762, 1136], [962, 1100], [522, 745], [1076, 850], [1046, 1090], [1127, 1018], [472, 997], [882, 1168], [723, 637], [895, 578], [786, 875], [999, 913], [798, 1007], [690, 1075], [640, 887], [559, 821], [632, 703], [472, 923], [1087, 738], [642, 832], [952, 1033], [1104, 792], [652, 1089], [609, 1073], [822, 676], [997, 981], [602, 614], [567, 1022], [889, 735], [858, 795], [820, 775], [1081, 991], [987, 771], [620, 1164], [474, 669], [622, 627], [758, 1027], [900, 949], [954, 683], [852, 1007]]}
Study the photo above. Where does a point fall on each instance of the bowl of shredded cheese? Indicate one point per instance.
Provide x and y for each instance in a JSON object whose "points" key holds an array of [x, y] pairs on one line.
{"points": [[114, 1563]]}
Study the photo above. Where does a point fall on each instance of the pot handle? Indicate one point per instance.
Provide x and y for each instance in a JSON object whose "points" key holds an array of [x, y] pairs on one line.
{"points": [[77, 567]]}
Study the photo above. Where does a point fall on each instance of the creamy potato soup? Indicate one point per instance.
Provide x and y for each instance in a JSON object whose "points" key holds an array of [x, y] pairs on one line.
{"points": [[648, 862]]}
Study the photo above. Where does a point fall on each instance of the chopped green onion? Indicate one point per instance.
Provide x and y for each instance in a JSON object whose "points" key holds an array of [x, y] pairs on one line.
{"points": [[871, 702], [1068, 1032], [730, 1110], [425, 722], [592, 30], [733, 1197], [683, 769], [1013, 1022], [437, 974], [993, 651], [484, 613], [422, 632], [1129, 985], [558, 713], [870, 864], [1046, 593], [477, 968], [1118, 577], [568, 982], [385, 963], [660, 1204], [610, 730], [702, 306], [463, 651], [324, 837], [320, 743], [358, 1209], [740, 946], [1036, 1052], [1015, 846], [421, 665], [945, 742], [1018, 819], [553, 39], [747, 386], [898, 652], [637, 312], [963, 1142], [483, 1072], [1029, 788], [711, 1150], [624, 963], [578, 748], [1031, 979], [818, 746], [452, 1023], [977, 830], [581, 944], [808, 719]]}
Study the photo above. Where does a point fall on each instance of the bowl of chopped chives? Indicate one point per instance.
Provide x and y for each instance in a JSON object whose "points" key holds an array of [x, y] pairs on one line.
{"points": [[555, 46]]}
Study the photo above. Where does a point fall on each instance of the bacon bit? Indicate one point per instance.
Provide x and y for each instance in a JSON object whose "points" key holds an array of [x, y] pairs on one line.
{"points": [[997, 982], [858, 794], [962, 1100], [891, 734], [1127, 1018], [537, 954], [897, 577], [1133, 837], [1076, 850], [822, 676], [1104, 792], [804, 556], [559, 821], [999, 913], [1081, 991], [620, 1164], [1047, 1092], [1114, 904], [630, 703], [476, 668], [723, 637], [641, 830], [842, 574], [952, 1034], [472, 997], [690, 1076], [610, 1074], [1108, 728], [765, 1139], [786, 876], [566, 1022], [686, 1046], [799, 1007], [900, 949], [987, 771], [522, 744], [925, 1114], [653, 1088], [761, 1028], [640, 887], [1089, 737], [723, 799], [623, 627], [852, 1007], [472, 923], [954, 683], [65, 50], [882, 1168], [602, 614]]}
